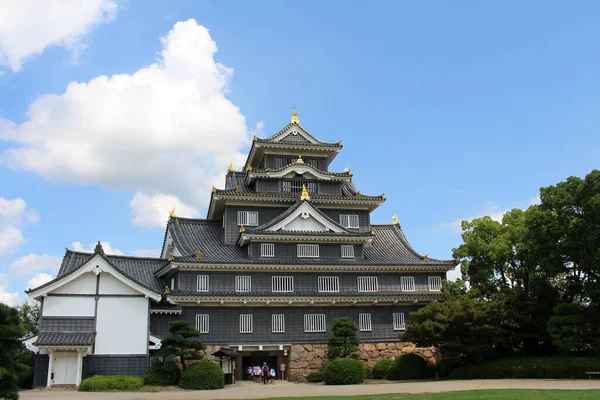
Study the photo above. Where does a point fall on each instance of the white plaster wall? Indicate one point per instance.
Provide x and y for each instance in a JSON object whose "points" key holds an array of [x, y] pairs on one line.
{"points": [[122, 325], [308, 224], [84, 284], [69, 306], [111, 285]]}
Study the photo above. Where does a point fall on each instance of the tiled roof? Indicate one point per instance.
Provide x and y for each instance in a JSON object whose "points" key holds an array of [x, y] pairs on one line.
{"points": [[165, 308], [65, 339]]}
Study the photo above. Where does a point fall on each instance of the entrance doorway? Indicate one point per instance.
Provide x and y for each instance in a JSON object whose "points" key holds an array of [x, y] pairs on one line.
{"points": [[256, 359], [65, 369]]}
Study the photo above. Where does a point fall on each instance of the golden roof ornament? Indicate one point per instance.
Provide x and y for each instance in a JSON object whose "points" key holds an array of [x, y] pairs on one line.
{"points": [[254, 138], [171, 256], [242, 229], [426, 259], [172, 213], [358, 195], [249, 168], [166, 291], [395, 220], [299, 160], [305, 195], [373, 231], [238, 189], [214, 189], [295, 119], [198, 255], [230, 167]]}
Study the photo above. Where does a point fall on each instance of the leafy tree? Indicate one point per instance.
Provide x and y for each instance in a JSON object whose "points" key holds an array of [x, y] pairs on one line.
{"points": [[30, 316], [181, 343], [344, 342], [574, 328], [11, 332]]}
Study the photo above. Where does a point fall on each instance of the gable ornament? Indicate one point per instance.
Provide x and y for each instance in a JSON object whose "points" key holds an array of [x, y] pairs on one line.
{"points": [[305, 195], [198, 255], [299, 160], [242, 229], [171, 256], [426, 259], [395, 220], [172, 213], [230, 167], [295, 119]]}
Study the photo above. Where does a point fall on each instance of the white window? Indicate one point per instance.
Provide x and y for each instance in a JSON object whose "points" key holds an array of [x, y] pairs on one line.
{"points": [[245, 323], [347, 251], [267, 250], [202, 283], [173, 283], [435, 283], [283, 284], [242, 283], [367, 283], [314, 322], [277, 323], [399, 321], [202, 323], [329, 284], [407, 283], [349, 220], [247, 218], [308, 250], [364, 322]]}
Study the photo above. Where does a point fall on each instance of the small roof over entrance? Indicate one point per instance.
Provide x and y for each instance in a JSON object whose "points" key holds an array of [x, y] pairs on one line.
{"points": [[224, 352]]}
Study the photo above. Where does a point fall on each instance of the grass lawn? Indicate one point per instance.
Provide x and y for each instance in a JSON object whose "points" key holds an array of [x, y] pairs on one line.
{"points": [[511, 394]]}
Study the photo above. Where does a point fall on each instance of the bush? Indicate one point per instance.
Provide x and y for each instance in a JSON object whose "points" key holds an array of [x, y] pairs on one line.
{"points": [[161, 374], [203, 375], [381, 370], [410, 366], [530, 368], [107, 383], [344, 371], [315, 377], [444, 367], [368, 373]]}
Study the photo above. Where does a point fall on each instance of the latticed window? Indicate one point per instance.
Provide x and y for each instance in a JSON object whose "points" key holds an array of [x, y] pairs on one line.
{"points": [[367, 283], [407, 283], [329, 284], [349, 220], [202, 283], [314, 323], [246, 323], [247, 218], [308, 250], [435, 283], [267, 250], [277, 323], [399, 321], [364, 322], [283, 284], [202, 323], [347, 251], [242, 283], [295, 186]]}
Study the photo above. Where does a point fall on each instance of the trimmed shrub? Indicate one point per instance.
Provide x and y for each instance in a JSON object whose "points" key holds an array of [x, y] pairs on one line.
{"points": [[368, 373], [381, 370], [447, 364], [315, 377], [344, 371], [410, 366], [530, 368], [107, 383], [203, 375], [161, 374]]}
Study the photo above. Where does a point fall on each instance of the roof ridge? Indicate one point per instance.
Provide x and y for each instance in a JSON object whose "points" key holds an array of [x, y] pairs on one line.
{"points": [[199, 220], [85, 253]]}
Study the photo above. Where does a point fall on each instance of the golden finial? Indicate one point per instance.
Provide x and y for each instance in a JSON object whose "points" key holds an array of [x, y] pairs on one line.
{"points": [[166, 291], [249, 168], [242, 229], [341, 144], [295, 119], [171, 257], [299, 160], [348, 171], [357, 195], [426, 259], [373, 231], [238, 189], [230, 167], [254, 138], [198, 255], [395, 220], [214, 189], [305, 195], [172, 213]]}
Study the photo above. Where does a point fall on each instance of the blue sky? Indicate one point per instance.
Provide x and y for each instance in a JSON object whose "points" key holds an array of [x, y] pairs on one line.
{"points": [[112, 112]]}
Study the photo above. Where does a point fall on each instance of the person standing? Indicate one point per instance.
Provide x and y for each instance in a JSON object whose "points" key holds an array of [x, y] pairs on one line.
{"points": [[265, 373]]}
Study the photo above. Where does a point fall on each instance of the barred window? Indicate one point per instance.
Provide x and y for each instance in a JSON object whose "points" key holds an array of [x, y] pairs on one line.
{"points": [[399, 321], [295, 186], [242, 283], [202, 283], [364, 322], [347, 251], [329, 284], [245, 323], [283, 284], [277, 323], [247, 218], [435, 283], [173, 283], [308, 250], [367, 283], [279, 162], [202, 323], [407, 283], [267, 250], [314, 323], [349, 220]]}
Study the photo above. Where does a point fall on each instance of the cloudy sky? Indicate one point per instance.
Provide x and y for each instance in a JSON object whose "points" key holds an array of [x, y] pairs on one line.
{"points": [[112, 112]]}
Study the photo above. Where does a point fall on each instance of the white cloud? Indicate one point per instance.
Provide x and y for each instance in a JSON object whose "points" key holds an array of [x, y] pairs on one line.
{"points": [[28, 27], [490, 209], [32, 263], [6, 297], [167, 128], [38, 280], [77, 246], [153, 210], [14, 214], [147, 253]]}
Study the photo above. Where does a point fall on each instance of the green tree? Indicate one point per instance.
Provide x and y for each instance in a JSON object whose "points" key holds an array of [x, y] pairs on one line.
{"points": [[181, 343], [11, 331], [574, 329], [30, 316], [344, 342]]}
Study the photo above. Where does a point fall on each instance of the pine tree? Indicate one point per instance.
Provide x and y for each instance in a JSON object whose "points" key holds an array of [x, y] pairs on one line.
{"points": [[180, 343], [344, 342], [11, 332]]}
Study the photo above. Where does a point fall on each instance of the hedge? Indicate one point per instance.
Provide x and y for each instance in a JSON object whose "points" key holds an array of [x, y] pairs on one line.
{"points": [[107, 383], [315, 377], [203, 375], [410, 366], [529, 367], [382, 369], [344, 371], [161, 374], [446, 365]]}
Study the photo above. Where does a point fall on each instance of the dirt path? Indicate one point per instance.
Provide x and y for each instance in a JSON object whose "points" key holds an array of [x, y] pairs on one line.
{"points": [[247, 390]]}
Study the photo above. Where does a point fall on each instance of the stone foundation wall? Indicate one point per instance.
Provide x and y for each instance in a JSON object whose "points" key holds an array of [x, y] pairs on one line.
{"points": [[308, 358]]}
